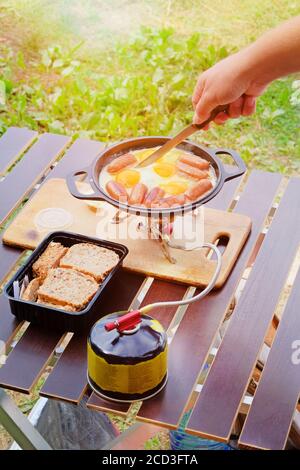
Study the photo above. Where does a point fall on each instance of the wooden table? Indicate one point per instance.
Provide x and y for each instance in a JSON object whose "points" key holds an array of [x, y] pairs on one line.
{"points": [[273, 204]]}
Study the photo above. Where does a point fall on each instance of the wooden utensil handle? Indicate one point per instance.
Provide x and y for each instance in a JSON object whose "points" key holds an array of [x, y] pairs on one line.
{"points": [[219, 109]]}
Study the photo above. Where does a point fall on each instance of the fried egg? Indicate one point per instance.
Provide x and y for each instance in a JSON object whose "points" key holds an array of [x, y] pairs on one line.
{"points": [[174, 188], [128, 178]]}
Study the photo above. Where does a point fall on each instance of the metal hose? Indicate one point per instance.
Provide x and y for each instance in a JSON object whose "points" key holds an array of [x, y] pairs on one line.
{"points": [[195, 298]]}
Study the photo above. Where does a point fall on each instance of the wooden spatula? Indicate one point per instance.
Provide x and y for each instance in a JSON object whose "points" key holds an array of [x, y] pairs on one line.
{"points": [[184, 134]]}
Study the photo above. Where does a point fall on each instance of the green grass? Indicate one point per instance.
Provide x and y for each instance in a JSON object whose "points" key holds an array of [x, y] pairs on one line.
{"points": [[141, 87]]}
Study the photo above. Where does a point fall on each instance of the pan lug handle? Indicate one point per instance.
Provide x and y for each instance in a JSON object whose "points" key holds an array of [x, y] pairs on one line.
{"points": [[71, 183], [241, 166]]}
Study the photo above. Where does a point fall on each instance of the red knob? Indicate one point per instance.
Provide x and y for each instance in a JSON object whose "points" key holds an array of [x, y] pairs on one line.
{"points": [[125, 322]]}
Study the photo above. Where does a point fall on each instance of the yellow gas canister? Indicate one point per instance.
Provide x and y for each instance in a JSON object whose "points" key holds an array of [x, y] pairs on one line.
{"points": [[127, 357]]}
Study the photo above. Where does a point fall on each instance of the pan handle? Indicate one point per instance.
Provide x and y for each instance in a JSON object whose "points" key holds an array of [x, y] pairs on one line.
{"points": [[241, 166], [70, 179]]}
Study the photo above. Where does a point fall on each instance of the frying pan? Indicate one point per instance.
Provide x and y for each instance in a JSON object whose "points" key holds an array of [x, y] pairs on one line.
{"points": [[92, 173]]}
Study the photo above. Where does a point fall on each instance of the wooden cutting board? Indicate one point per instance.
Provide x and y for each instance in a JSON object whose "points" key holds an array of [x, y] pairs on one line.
{"points": [[53, 208]]}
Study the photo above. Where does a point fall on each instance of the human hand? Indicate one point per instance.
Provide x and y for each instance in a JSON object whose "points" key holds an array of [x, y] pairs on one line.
{"points": [[229, 81]]}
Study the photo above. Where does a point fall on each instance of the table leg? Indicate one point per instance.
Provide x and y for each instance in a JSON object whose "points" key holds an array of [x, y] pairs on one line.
{"points": [[19, 426]]}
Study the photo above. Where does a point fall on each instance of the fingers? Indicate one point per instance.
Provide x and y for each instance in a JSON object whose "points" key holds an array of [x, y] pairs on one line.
{"points": [[249, 105], [221, 118], [243, 106], [236, 108], [204, 107]]}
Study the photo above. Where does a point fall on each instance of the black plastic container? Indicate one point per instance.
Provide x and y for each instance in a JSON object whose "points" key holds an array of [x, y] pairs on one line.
{"points": [[53, 318]]}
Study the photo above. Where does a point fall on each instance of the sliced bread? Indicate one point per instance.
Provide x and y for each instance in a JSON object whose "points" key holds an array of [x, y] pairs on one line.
{"points": [[67, 308], [67, 287], [93, 260], [49, 259], [30, 293]]}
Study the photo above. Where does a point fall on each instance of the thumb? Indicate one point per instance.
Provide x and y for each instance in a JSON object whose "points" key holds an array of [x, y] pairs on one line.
{"points": [[204, 107]]}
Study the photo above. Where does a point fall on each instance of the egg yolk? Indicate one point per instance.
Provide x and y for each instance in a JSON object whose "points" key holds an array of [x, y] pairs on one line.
{"points": [[164, 169], [175, 187], [128, 178]]}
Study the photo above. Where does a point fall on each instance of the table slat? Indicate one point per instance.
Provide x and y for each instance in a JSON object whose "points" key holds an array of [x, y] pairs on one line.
{"points": [[68, 378], [12, 144], [223, 390], [161, 291], [99, 404], [198, 328], [9, 256], [28, 171], [269, 419], [8, 322], [27, 359]]}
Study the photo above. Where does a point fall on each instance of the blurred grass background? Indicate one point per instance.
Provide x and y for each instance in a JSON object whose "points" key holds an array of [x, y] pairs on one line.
{"points": [[114, 69]]}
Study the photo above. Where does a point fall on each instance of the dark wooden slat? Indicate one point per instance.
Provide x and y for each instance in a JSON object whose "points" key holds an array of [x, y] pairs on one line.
{"points": [[9, 325], [269, 419], [27, 359], [28, 171], [227, 380], [68, 378], [8, 256], [162, 291], [198, 328], [96, 403], [12, 144], [80, 155]]}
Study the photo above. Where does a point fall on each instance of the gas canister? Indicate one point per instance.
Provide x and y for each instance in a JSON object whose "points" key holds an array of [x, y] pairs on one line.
{"points": [[127, 357]]}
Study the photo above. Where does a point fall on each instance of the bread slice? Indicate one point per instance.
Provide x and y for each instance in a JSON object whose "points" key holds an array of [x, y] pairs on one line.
{"points": [[49, 259], [67, 308], [93, 260], [30, 293], [67, 287]]}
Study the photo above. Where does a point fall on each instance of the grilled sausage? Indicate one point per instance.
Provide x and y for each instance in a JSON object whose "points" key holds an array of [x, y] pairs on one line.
{"points": [[154, 195], [198, 189], [117, 191], [174, 201], [138, 193], [121, 162], [195, 161], [191, 171]]}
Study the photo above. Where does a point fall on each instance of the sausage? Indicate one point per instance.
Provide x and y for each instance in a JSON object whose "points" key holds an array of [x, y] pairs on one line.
{"points": [[138, 194], [174, 201], [198, 189], [194, 160], [121, 162], [117, 191], [154, 195], [191, 171]]}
